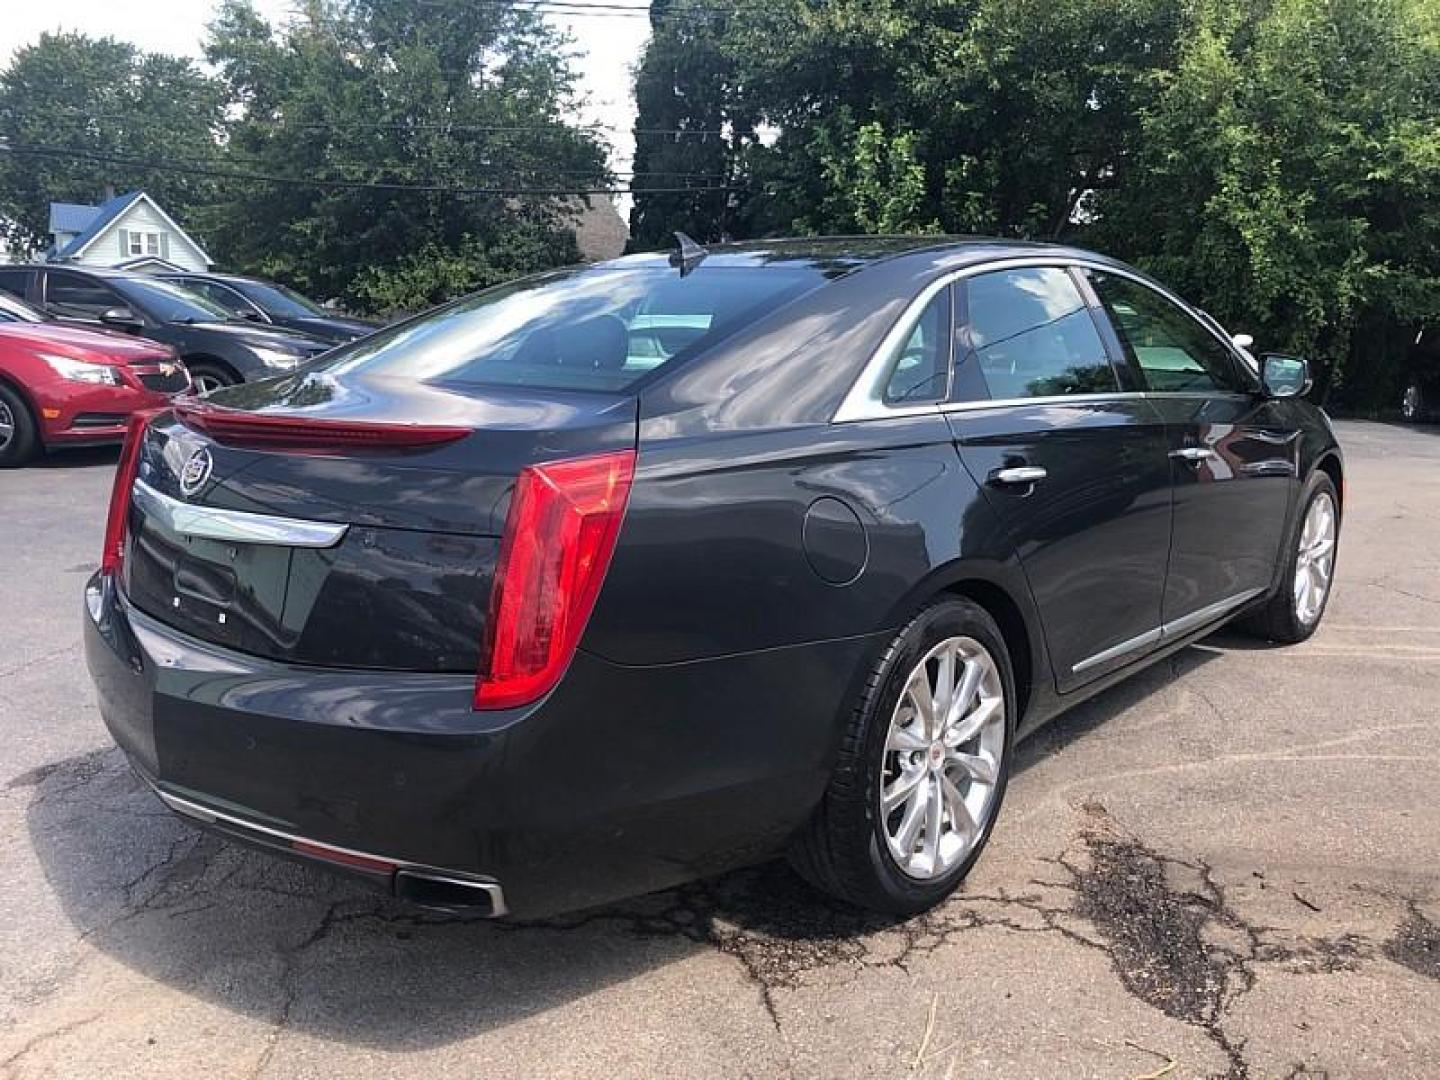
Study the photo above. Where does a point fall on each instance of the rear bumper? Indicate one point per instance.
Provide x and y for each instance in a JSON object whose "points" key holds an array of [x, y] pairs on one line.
{"points": [[432, 886], [622, 781]]}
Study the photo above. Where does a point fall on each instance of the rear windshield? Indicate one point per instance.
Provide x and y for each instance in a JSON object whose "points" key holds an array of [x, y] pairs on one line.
{"points": [[584, 329]]}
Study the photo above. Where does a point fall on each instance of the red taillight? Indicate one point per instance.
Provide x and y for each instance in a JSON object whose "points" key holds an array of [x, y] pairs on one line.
{"points": [[125, 471], [306, 435], [559, 536]]}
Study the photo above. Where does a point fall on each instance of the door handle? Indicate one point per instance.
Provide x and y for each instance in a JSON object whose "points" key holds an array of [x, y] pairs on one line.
{"points": [[1194, 454], [1019, 474]]}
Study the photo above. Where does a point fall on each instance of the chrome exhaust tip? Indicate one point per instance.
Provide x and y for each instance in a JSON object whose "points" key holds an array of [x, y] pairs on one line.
{"points": [[450, 893]]}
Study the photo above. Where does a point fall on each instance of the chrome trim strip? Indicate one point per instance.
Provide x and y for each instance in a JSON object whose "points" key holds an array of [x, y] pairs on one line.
{"points": [[1139, 641], [1049, 399], [1183, 625], [213, 523], [1174, 628], [210, 816], [865, 400]]}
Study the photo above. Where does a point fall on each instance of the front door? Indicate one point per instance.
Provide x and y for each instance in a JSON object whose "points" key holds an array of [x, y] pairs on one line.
{"points": [[1234, 455], [1075, 468]]}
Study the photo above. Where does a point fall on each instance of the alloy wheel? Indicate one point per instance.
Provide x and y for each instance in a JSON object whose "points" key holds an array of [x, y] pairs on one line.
{"points": [[1410, 403], [1315, 561], [941, 767], [7, 425], [205, 385]]}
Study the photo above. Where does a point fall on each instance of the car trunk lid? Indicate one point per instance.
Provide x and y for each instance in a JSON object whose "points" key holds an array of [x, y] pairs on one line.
{"points": [[312, 520]]}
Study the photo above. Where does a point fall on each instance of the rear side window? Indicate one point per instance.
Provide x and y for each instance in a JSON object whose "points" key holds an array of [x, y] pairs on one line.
{"points": [[1031, 335], [586, 329], [922, 366], [1173, 350], [16, 282]]}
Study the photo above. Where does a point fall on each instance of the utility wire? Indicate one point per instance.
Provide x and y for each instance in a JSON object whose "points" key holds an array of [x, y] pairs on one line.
{"points": [[558, 127], [347, 185]]}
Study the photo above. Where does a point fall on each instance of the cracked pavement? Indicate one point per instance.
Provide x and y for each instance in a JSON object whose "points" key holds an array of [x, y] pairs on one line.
{"points": [[1228, 866]]}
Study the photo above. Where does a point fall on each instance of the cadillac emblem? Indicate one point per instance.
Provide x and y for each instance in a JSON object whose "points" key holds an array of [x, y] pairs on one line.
{"points": [[196, 471]]}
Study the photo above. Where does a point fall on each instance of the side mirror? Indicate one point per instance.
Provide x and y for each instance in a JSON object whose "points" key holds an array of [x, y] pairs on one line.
{"points": [[251, 315], [122, 318], [1284, 376], [1243, 341]]}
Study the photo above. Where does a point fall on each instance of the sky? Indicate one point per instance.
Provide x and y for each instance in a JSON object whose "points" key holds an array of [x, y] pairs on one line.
{"points": [[609, 45]]}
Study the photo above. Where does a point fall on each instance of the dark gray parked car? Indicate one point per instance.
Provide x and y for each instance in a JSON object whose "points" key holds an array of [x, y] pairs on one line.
{"points": [[218, 349], [618, 576], [270, 303]]}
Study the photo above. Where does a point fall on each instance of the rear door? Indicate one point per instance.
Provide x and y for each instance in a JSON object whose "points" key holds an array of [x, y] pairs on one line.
{"points": [[1073, 463], [1234, 456]]}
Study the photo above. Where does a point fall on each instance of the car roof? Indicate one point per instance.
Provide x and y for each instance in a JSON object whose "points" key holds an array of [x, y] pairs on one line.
{"points": [[95, 271], [839, 255], [209, 275]]}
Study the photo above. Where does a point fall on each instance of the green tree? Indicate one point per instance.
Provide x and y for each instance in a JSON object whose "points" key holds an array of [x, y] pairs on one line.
{"points": [[99, 99], [994, 116], [1289, 176], [691, 127], [449, 94]]}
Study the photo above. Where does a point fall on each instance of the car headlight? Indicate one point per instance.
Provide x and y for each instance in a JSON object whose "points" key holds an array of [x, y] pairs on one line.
{"points": [[67, 367], [282, 359]]}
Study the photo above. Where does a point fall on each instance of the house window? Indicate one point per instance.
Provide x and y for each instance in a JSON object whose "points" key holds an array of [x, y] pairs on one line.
{"points": [[144, 243]]}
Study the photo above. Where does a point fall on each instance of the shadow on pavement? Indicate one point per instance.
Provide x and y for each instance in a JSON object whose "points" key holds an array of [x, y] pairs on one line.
{"points": [[289, 943], [79, 457]]}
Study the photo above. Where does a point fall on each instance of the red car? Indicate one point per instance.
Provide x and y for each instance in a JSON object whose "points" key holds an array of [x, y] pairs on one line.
{"points": [[64, 385]]}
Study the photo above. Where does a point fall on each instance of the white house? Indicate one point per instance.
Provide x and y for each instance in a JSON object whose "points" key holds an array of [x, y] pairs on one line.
{"points": [[130, 231]]}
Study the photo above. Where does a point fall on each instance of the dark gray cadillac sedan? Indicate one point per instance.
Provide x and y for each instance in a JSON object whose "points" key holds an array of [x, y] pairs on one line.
{"points": [[613, 577]]}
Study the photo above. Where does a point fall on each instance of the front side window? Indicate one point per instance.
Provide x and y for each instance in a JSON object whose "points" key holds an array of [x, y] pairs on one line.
{"points": [[77, 295], [281, 301], [166, 302], [231, 301], [1032, 335], [595, 328], [922, 364], [1174, 352]]}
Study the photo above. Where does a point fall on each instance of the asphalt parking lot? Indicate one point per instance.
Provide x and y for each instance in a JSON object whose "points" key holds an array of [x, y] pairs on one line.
{"points": [[1228, 866]]}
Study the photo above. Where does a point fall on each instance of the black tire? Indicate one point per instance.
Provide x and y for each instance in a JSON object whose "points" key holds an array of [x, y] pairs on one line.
{"points": [[843, 850], [24, 438], [215, 376], [1278, 620]]}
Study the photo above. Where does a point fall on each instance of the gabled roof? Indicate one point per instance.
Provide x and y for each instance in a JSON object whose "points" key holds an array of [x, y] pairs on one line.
{"points": [[150, 263], [71, 217], [105, 213]]}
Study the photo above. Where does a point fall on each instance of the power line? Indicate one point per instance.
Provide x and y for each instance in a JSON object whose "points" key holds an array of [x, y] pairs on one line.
{"points": [[558, 127], [345, 185], [587, 7]]}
